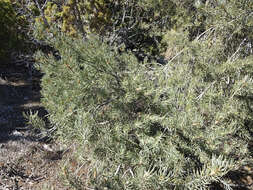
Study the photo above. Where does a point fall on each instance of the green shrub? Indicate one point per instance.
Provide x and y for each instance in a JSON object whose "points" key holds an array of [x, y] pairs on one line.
{"points": [[143, 125], [10, 34], [181, 125]]}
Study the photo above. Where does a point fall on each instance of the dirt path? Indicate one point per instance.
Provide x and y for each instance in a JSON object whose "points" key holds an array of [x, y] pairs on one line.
{"points": [[18, 93], [25, 162]]}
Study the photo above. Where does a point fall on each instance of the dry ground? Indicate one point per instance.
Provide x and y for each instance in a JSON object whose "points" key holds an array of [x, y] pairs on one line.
{"points": [[27, 162]]}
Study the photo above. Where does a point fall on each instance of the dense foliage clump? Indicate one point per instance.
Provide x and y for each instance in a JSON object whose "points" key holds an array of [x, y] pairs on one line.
{"points": [[143, 125], [157, 94], [10, 33]]}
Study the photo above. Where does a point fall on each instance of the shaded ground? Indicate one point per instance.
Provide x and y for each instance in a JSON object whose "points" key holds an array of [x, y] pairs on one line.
{"points": [[19, 92], [25, 161], [29, 163]]}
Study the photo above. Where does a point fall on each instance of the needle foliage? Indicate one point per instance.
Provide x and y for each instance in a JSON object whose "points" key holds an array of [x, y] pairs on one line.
{"points": [[142, 125]]}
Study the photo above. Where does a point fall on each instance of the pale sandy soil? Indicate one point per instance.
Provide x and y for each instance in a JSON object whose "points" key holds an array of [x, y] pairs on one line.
{"points": [[25, 161]]}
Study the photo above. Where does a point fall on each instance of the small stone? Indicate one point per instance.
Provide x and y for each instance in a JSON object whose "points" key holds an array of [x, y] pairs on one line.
{"points": [[16, 133], [249, 179]]}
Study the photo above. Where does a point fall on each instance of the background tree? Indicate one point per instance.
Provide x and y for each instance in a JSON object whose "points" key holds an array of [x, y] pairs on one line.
{"points": [[12, 36]]}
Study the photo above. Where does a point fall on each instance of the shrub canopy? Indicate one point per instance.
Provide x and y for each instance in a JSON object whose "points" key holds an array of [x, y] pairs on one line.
{"points": [[143, 125]]}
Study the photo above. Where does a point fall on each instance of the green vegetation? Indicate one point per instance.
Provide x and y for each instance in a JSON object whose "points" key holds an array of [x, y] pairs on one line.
{"points": [[171, 126], [157, 94], [10, 33]]}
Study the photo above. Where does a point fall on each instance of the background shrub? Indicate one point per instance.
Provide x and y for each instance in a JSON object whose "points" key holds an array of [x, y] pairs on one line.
{"points": [[129, 25], [10, 30]]}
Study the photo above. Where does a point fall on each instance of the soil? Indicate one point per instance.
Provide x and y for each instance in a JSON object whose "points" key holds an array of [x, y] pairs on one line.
{"points": [[28, 162]]}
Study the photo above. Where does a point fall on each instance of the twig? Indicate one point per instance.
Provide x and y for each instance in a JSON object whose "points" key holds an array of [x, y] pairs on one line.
{"points": [[212, 28], [117, 170], [131, 172], [237, 50], [165, 68], [76, 172], [200, 96], [244, 80], [41, 12]]}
